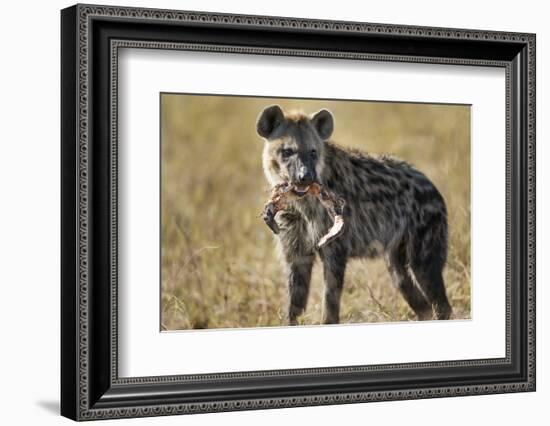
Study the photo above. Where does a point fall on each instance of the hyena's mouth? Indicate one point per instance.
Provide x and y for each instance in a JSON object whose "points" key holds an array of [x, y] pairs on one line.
{"points": [[300, 190]]}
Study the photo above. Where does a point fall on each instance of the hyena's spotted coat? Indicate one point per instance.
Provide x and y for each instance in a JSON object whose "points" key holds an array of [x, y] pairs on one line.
{"points": [[392, 209]]}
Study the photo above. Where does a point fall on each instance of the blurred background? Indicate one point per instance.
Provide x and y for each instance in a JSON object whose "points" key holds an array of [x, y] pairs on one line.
{"points": [[219, 264]]}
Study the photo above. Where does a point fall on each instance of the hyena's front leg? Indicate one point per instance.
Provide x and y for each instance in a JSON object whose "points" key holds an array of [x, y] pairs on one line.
{"points": [[298, 257], [299, 277], [334, 268]]}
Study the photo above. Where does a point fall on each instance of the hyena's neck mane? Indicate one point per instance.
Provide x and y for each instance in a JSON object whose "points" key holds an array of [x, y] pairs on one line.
{"points": [[349, 170], [338, 166]]}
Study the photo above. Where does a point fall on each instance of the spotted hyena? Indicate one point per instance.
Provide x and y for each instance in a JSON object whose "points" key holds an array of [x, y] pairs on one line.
{"points": [[391, 210]]}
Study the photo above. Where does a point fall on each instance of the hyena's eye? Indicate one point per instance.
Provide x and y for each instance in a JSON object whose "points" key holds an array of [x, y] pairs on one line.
{"points": [[287, 152], [313, 154]]}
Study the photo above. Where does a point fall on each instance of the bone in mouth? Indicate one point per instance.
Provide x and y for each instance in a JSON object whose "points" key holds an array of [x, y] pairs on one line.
{"points": [[284, 194]]}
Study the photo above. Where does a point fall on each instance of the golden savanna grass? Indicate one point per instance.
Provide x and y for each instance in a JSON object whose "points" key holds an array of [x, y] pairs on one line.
{"points": [[219, 263]]}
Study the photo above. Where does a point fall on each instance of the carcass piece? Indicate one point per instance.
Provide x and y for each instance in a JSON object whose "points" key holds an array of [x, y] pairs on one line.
{"points": [[284, 194], [281, 196], [335, 208]]}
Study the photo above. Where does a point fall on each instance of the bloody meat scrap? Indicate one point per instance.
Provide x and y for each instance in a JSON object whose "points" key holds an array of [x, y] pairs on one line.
{"points": [[284, 194]]}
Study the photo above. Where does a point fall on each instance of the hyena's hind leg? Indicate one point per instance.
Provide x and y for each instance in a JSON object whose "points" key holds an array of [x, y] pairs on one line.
{"points": [[397, 261], [428, 256], [429, 276]]}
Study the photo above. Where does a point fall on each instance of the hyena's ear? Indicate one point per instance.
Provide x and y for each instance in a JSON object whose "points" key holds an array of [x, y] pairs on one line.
{"points": [[270, 118], [323, 122]]}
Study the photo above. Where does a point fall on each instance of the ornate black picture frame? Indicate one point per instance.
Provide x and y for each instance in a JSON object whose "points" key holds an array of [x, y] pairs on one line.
{"points": [[90, 385]]}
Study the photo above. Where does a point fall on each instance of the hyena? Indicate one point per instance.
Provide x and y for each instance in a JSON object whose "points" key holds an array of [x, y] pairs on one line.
{"points": [[392, 210]]}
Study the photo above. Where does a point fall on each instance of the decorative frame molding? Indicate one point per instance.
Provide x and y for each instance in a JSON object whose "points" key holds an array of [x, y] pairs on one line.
{"points": [[91, 37]]}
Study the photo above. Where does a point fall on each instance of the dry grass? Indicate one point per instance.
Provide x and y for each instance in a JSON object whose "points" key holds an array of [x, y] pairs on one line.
{"points": [[219, 266]]}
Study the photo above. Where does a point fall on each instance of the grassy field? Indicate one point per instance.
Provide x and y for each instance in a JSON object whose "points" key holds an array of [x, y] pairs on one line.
{"points": [[219, 265]]}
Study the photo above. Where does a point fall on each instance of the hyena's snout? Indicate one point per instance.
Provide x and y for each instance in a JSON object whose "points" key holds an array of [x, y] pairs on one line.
{"points": [[305, 176]]}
